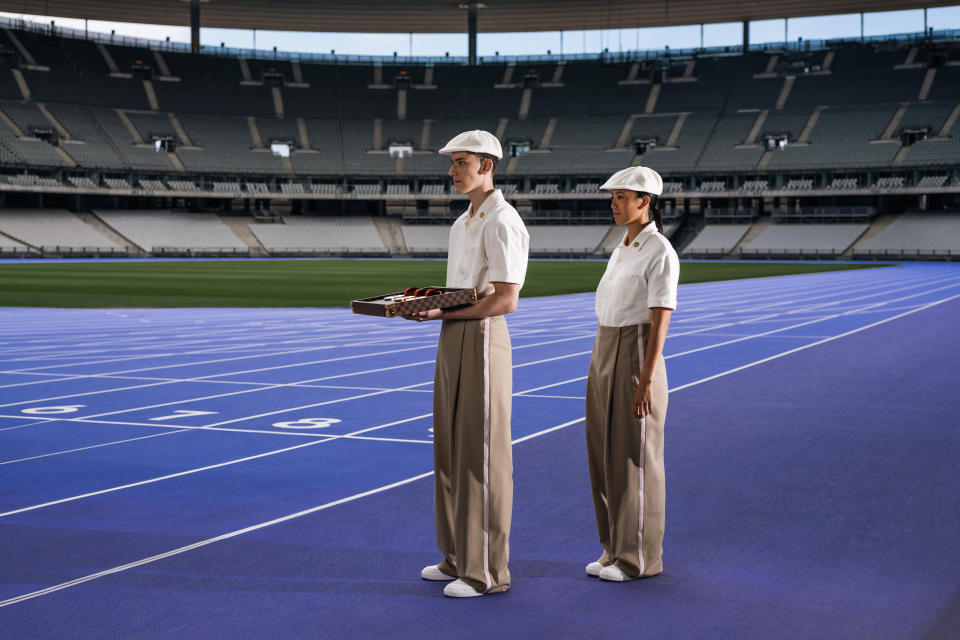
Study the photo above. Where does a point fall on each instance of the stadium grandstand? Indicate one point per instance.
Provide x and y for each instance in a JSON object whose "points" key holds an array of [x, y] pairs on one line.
{"points": [[207, 433], [800, 149]]}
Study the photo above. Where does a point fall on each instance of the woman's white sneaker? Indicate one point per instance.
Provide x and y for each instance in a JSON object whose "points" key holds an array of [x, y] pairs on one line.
{"points": [[594, 569], [460, 589], [433, 573], [614, 574]]}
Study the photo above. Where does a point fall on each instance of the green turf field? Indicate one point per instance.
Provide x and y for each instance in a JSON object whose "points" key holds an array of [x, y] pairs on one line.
{"points": [[303, 283]]}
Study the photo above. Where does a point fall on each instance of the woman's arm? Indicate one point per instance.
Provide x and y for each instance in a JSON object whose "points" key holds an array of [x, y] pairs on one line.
{"points": [[643, 397], [502, 301]]}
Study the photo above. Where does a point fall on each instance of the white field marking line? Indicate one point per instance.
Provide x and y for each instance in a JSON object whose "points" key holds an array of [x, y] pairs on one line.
{"points": [[805, 323], [719, 291], [794, 295], [93, 446], [167, 425], [352, 341], [156, 384], [81, 376], [384, 439], [308, 406], [262, 387], [881, 291], [819, 342], [200, 469], [32, 423], [730, 292], [766, 333], [239, 532], [535, 395], [259, 384], [550, 386], [245, 357], [780, 329], [208, 541], [216, 333]]}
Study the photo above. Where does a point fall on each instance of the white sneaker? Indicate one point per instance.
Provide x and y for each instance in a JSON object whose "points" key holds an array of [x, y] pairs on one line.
{"points": [[614, 574], [594, 569], [460, 589], [433, 573]]}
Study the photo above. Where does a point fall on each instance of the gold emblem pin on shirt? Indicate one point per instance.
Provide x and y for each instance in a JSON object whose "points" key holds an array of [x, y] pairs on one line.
{"points": [[636, 244], [481, 214]]}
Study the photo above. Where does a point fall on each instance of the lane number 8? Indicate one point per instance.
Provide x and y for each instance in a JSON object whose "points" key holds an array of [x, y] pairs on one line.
{"points": [[307, 423]]}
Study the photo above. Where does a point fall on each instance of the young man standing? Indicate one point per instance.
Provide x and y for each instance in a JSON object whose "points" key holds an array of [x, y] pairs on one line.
{"points": [[473, 383]]}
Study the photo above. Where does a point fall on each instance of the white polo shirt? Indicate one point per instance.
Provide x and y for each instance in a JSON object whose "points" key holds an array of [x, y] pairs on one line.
{"points": [[489, 246], [639, 276]]}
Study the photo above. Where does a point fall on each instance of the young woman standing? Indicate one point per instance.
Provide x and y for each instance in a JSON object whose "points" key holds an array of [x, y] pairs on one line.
{"points": [[627, 383]]}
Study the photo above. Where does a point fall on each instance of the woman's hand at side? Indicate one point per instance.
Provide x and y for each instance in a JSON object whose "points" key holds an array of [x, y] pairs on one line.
{"points": [[642, 397]]}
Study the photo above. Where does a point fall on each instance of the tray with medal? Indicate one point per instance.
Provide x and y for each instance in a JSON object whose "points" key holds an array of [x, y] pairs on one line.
{"points": [[413, 300]]}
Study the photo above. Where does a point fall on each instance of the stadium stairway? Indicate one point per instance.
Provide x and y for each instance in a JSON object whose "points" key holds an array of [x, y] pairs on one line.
{"points": [[756, 229], [878, 225], [688, 229], [104, 229], [239, 225], [391, 235], [610, 239]]}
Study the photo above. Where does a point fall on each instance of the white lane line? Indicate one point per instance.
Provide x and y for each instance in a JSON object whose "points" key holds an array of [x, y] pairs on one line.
{"points": [[93, 446], [268, 387], [354, 343], [239, 532], [817, 343], [539, 395], [208, 541], [219, 360], [201, 469], [165, 425], [774, 331], [262, 386]]}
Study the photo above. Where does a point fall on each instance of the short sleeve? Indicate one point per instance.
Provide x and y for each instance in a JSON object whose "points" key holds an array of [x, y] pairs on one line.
{"points": [[663, 275], [506, 246]]}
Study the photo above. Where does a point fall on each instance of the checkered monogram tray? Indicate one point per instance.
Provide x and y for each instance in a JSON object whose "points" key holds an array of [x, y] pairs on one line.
{"points": [[378, 306]]}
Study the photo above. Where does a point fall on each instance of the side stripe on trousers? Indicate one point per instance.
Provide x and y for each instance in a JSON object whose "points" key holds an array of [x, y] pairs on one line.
{"points": [[486, 452], [643, 456]]}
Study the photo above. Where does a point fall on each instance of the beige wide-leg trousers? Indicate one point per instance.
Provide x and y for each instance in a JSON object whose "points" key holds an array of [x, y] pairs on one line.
{"points": [[473, 460], [626, 454]]}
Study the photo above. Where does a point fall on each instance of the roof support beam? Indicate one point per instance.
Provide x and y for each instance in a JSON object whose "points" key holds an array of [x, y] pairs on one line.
{"points": [[195, 26], [472, 33]]}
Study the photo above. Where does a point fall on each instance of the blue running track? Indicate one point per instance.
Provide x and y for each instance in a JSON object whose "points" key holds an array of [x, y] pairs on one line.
{"points": [[259, 473]]}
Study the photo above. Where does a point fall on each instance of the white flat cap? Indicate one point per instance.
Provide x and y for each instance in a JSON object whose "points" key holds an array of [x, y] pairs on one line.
{"points": [[642, 179], [476, 141]]}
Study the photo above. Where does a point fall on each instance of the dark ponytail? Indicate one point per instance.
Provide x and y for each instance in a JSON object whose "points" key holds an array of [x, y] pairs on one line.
{"points": [[654, 208]]}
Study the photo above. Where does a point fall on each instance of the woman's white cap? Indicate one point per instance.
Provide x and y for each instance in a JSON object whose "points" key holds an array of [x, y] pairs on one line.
{"points": [[642, 179], [476, 141]]}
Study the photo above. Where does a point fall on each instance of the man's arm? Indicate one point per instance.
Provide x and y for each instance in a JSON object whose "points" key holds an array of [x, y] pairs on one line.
{"points": [[502, 301]]}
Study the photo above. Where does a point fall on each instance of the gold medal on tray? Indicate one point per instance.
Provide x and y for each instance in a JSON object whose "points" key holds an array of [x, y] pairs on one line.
{"points": [[413, 300]]}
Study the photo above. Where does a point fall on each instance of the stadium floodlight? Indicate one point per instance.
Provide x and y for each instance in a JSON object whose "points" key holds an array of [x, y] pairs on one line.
{"points": [[776, 142], [140, 70], [518, 147], [531, 79], [400, 149], [642, 145], [402, 80], [912, 135], [281, 149], [273, 78], [164, 143]]}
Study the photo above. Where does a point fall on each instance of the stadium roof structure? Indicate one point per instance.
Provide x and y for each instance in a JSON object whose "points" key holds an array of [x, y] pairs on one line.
{"points": [[448, 16]]}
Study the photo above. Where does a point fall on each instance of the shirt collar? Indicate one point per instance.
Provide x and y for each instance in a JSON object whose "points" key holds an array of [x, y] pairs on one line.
{"points": [[645, 234], [491, 201]]}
